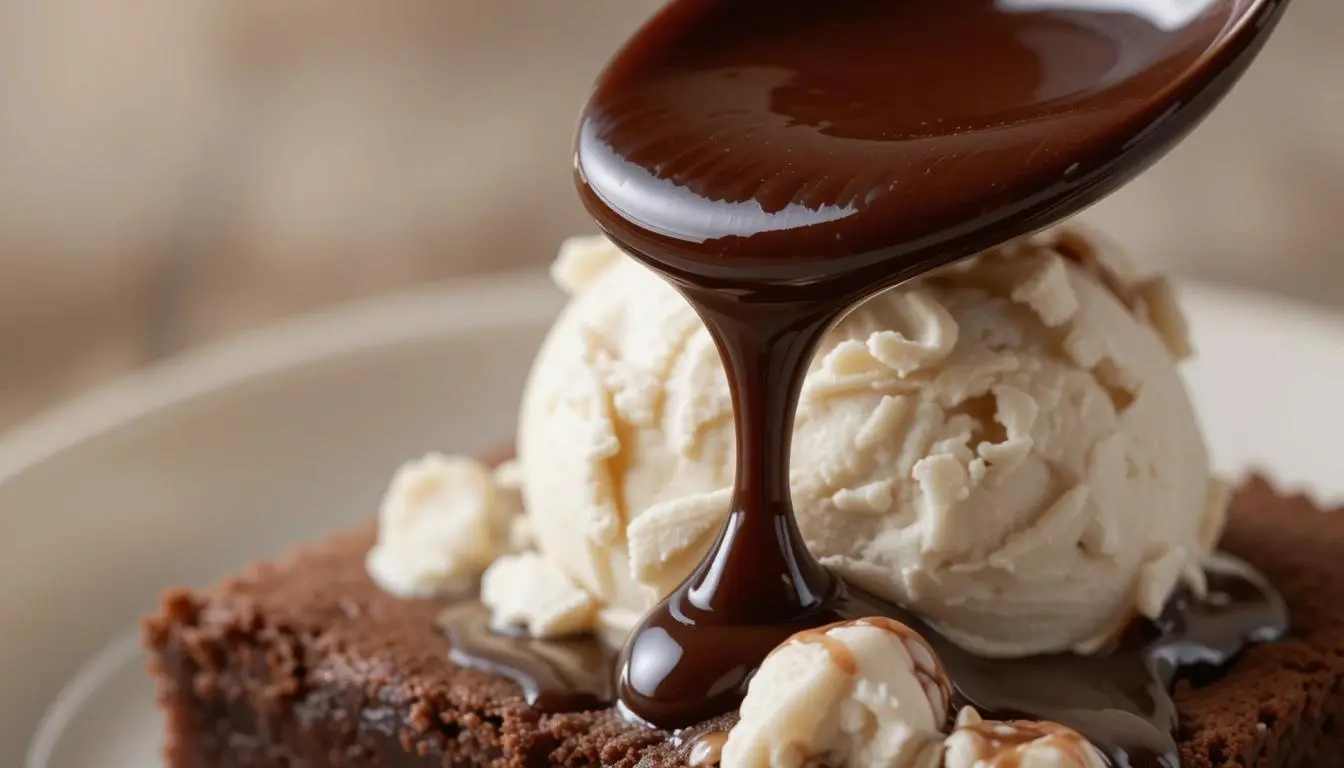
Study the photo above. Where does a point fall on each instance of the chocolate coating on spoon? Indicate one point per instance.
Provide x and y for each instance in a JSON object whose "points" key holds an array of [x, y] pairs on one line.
{"points": [[754, 143], [557, 675]]}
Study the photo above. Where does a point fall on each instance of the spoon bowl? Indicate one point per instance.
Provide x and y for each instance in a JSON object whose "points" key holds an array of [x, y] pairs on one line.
{"points": [[870, 140]]}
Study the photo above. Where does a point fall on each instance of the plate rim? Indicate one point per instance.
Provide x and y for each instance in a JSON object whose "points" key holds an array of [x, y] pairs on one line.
{"points": [[1319, 317], [69, 700], [499, 299], [398, 316]]}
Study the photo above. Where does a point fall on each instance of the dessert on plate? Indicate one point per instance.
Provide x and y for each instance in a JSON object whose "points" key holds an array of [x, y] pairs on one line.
{"points": [[335, 656], [840, 455]]}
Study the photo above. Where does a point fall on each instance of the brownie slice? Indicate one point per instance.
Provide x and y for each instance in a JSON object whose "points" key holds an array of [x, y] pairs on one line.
{"points": [[307, 663]]}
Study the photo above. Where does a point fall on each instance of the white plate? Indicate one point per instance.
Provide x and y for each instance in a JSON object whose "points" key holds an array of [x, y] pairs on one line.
{"points": [[183, 473]]}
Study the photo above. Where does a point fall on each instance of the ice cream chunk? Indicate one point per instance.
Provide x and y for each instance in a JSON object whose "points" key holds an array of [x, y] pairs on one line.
{"points": [[442, 521], [860, 693], [526, 591], [1004, 446], [976, 743], [871, 692]]}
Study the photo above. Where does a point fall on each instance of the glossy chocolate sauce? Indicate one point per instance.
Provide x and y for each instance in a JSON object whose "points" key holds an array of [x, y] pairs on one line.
{"points": [[559, 675], [779, 161]]}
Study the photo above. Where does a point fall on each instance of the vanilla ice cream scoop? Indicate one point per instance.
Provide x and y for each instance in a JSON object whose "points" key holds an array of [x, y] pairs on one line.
{"points": [[1004, 446]]}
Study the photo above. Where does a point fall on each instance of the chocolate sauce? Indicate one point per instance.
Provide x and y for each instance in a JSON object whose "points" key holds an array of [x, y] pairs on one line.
{"points": [[559, 675], [780, 160], [762, 144]]}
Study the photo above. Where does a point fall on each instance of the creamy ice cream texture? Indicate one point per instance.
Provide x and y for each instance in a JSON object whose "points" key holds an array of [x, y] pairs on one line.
{"points": [[1004, 446], [872, 692], [863, 693], [442, 521], [977, 743]]}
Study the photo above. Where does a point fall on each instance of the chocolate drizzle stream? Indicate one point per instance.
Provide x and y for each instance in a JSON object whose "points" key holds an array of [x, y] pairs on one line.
{"points": [[779, 161]]}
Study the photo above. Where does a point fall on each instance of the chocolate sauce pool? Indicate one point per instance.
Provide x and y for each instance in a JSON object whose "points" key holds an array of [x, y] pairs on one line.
{"points": [[1119, 699], [779, 161]]}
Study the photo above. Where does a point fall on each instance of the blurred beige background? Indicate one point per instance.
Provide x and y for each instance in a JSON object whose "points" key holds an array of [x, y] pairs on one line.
{"points": [[172, 171]]}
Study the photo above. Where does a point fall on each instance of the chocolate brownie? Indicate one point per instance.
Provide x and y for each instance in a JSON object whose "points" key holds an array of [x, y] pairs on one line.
{"points": [[306, 663]]}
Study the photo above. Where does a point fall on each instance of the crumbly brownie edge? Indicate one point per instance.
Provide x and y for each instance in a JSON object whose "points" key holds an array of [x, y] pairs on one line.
{"points": [[238, 695], [306, 663]]}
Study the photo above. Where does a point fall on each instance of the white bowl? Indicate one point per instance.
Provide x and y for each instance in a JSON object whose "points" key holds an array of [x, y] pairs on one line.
{"points": [[185, 472]]}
